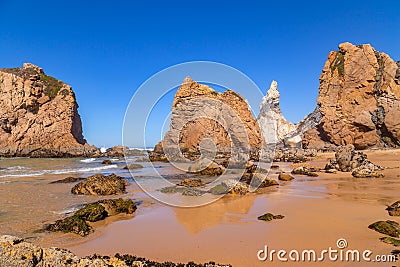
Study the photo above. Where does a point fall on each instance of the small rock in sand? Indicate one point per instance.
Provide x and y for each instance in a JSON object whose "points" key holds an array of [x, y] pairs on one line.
{"points": [[269, 217]]}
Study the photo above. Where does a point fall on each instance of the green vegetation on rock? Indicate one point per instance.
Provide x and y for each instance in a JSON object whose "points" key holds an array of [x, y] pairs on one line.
{"points": [[219, 189], [390, 228], [93, 212], [390, 240], [52, 85], [338, 63]]}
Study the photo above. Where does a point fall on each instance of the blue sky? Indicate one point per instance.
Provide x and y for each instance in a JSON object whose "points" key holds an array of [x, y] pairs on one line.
{"points": [[106, 49]]}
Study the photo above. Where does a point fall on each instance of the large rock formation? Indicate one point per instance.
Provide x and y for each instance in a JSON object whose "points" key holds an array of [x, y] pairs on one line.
{"points": [[38, 115], [200, 113], [359, 100], [275, 128]]}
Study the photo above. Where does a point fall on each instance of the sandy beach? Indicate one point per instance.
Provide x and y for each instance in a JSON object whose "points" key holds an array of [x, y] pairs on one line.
{"points": [[318, 211]]}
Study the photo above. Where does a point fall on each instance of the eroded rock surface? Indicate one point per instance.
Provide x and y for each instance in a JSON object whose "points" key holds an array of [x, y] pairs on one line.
{"points": [[200, 113], [359, 100], [16, 252], [39, 116], [274, 126], [100, 184]]}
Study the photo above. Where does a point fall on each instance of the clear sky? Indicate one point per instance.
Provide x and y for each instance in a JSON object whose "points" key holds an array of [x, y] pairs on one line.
{"points": [[106, 49]]}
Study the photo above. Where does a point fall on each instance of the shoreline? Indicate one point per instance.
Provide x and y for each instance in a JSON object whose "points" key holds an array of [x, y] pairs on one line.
{"points": [[317, 210]]}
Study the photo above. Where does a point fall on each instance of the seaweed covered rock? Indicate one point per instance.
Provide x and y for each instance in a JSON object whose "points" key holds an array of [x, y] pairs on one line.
{"points": [[269, 217], [100, 184], [72, 224], [394, 209], [390, 240], [390, 228], [93, 212], [116, 206], [106, 162]]}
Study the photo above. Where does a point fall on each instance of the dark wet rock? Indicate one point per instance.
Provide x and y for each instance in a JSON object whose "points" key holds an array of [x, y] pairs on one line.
{"points": [[332, 165], [68, 180], [394, 209], [191, 182], [285, 177], [304, 171], [93, 212], [269, 217], [72, 224], [106, 162], [390, 240], [274, 167], [390, 228], [99, 184], [133, 166]]}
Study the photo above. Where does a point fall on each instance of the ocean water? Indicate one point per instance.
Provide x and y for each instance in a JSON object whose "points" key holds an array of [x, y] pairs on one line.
{"points": [[28, 200]]}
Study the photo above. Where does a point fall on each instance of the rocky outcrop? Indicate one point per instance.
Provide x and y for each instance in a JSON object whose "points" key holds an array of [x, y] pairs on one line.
{"points": [[16, 252], [102, 185], [39, 116], [394, 209], [200, 113], [78, 223], [275, 128], [359, 100], [349, 160]]}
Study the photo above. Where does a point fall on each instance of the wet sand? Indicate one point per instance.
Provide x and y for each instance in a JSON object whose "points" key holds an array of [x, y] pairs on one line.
{"points": [[318, 211]]}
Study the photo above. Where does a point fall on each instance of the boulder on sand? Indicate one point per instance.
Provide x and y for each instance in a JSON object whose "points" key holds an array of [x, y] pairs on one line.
{"points": [[100, 184], [93, 212]]}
